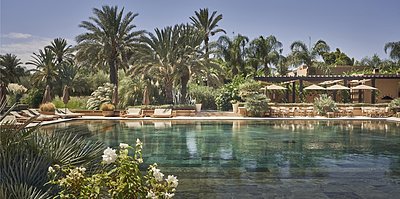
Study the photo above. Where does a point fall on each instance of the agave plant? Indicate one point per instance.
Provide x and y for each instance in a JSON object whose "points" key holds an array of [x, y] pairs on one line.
{"points": [[324, 104], [27, 153]]}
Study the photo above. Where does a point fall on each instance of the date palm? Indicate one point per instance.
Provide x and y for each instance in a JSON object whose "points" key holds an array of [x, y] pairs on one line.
{"points": [[232, 51], [109, 40], [394, 48], [10, 68], [302, 54], [207, 25], [61, 49], [266, 51], [46, 70]]}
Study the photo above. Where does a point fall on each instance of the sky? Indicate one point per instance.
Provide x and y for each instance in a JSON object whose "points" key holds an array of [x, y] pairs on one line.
{"points": [[358, 28]]}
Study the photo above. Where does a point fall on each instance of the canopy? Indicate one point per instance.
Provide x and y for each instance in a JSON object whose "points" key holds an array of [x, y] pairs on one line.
{"points": [[363, 87], [314, 87], [275, 87], [337, 87]]}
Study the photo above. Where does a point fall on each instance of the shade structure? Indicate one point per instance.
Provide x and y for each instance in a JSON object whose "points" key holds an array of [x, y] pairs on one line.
{"points": [[47, 95], [146, 98], [363, 87], [114, 99], [275, 87], [314, 87], [337, 87]]}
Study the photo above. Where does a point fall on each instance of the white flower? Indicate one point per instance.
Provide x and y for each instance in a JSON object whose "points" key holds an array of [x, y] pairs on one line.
{"points": [[169, 195], [140, 160], [151, 195], [172, 180], [139, 143], [123, 145], [109, 155], [51, 170], [157, 174], [82, 169]]}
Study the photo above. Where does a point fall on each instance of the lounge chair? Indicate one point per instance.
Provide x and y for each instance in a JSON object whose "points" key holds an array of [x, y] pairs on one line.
{"points": [[41, 117], [162, 113], [67, 111], [133, 112], [21, 118], [63, 114]]}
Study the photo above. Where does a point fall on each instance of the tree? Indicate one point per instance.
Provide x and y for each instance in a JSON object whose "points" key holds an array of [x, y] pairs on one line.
{"points": [[301, 54], [208, 26], [266, 51], [10, 69], [110, 40], [304, 55], [337, 58], [394, 48], [233, 52], [46, 71], [61, 49]]}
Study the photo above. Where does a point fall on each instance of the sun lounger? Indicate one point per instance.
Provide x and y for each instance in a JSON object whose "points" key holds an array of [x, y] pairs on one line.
{"points": [[62, 114], [162, 113], [21, 118], [40, 117], [133, 112]]}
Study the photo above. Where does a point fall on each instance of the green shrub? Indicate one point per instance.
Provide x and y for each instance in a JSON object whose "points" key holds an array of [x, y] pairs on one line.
{"points": [[394, 104], [324, 104], [33, 98], [249, 88], [204, 95], [73, 103], [256, 105], [107, 107], [47, 107], [102, 95]]}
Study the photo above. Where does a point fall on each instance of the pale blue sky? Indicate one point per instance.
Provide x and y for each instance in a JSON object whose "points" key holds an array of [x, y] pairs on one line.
{"points": [[358, 27]]}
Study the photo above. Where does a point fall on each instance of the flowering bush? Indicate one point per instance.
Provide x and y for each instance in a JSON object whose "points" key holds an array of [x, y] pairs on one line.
{"points": [[103, 94], [119, 177], [16, 88]]}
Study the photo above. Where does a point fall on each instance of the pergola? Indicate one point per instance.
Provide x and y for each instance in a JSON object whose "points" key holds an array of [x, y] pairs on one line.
{"points": [[287, 80]]}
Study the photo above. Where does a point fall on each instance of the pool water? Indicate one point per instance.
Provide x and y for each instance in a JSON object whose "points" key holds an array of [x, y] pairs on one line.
{"points": [[266, 159]]}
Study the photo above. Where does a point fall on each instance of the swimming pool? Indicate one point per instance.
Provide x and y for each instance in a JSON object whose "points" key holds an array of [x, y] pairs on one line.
{"points": [[265, 159]]}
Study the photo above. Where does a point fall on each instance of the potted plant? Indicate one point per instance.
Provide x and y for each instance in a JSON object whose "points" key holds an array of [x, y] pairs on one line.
{"points": [[47, 108], [235, 106], [198, 105], [394, 105], [107, 109]]}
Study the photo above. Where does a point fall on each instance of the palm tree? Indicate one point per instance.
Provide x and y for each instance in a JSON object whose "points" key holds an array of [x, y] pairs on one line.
{"points": [[394, 50], [158, 55], [109, 41], [266, 51], [46, 71], [207, 25], [301, 54], [61, 49], [10, 68], [233, 52]]}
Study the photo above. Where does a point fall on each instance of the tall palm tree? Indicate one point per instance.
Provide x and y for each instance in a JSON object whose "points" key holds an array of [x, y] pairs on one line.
{"points": [[207, 25], [109, 41], [266, 51], [10, 68], [233, 52], [302, 54], [61, 49], [394, 48], [46, 71]]}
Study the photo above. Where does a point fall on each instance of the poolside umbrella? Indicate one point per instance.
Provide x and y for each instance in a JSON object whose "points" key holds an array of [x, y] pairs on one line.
{"points": [[337, 87], [47, 95], [275, 87], [114, 99], [65, 97], [363, 87], [146, 98], [314, 87]]}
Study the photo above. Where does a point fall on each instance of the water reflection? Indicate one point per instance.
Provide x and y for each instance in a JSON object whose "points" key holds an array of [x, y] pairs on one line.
{"points": [[253, 151]]}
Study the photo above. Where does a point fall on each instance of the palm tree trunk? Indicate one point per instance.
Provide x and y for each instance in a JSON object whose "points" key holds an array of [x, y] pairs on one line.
{"points": [[266, 70], [113, 72], [168, 92], [184, 82]]}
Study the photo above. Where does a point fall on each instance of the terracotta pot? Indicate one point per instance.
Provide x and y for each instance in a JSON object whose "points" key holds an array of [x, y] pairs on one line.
{"points": [[47, 112]]}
